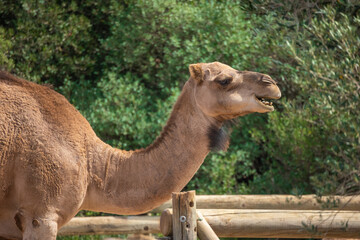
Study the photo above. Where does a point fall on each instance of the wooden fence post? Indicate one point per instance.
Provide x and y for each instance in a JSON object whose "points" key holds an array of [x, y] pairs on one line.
{"points": [[184, 216]]}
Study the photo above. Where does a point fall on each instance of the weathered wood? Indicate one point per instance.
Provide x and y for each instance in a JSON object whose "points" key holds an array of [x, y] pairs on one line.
{"points": [[166, 224], [184, 216], [205, 232], [283, 223], [255, 223], [111, 225], [188, 209], [176, 224], [290, 202]]}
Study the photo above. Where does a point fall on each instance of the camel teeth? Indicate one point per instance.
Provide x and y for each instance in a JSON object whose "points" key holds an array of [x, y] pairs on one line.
{"points": [[263, 101]]}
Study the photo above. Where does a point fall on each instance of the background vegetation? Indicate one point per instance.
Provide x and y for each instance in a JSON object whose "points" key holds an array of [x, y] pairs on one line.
{"points": [[122, 64]]}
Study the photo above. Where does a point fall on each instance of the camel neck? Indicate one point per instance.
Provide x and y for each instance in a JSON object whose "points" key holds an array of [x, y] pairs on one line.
{"points": [[137, 181]]}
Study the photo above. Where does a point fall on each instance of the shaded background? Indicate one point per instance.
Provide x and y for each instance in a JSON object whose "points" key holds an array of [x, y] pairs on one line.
{"points": [[123, 63]]}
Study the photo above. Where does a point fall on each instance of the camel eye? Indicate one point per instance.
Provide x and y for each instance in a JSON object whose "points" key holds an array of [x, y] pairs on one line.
{"points": [[224, 82]]}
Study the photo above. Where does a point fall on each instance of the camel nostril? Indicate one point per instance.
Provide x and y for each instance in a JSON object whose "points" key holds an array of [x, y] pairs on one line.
{"points": [[267, 80]]}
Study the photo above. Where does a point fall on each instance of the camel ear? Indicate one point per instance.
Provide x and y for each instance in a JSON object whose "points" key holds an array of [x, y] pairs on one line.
{"points": [[196, 72]]}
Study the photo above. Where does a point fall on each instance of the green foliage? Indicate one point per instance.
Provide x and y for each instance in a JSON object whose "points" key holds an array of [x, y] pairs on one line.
{"points": [[5, 45], [126, 115], [52, 42], [221, 172], [313, 142], [157, 40]]}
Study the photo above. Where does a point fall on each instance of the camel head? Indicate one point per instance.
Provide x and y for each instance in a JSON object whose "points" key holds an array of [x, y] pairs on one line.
{"points": [[225, 93]]}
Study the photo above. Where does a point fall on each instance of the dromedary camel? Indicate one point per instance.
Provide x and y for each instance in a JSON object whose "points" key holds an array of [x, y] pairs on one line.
{"points": [[52, 164]]}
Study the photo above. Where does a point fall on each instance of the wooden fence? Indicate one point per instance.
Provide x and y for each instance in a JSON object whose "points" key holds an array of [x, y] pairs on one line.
{"points": [[250, 216]]}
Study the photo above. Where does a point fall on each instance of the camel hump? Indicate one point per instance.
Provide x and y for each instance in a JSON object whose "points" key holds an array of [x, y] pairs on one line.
{"points": [[7, 76], [27, 96], [11, 79]]}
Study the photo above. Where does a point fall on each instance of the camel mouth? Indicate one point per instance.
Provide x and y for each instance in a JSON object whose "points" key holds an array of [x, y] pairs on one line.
{"points": [[265, 102]]}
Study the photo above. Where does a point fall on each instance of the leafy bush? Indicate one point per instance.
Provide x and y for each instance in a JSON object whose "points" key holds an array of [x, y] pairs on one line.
{"points": [[5, 45], [312, 144], [54, 42]]}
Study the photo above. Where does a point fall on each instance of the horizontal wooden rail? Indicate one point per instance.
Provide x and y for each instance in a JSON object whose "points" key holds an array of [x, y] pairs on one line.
{"points": [[290, 202], [111, 225], [280, 223], [248, 216]]}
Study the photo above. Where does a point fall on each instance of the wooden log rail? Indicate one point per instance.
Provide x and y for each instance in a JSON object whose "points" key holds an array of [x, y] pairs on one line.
{"points": [[248, 216], [286, 202], [272, 223], [111, 225]]}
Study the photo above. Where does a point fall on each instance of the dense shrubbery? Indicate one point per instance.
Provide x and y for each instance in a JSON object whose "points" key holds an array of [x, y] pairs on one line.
{"points": [[123, 64], [312, 143]]}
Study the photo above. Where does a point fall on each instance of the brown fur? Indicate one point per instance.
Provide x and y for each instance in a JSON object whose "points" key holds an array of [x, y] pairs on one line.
{"points": [[52, 164]]}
